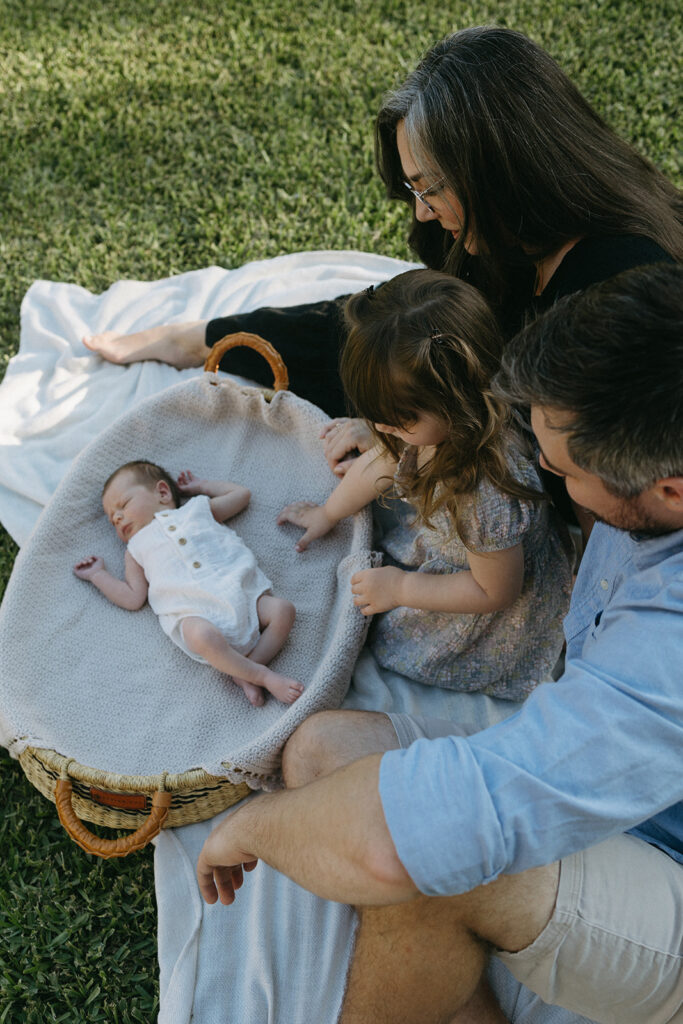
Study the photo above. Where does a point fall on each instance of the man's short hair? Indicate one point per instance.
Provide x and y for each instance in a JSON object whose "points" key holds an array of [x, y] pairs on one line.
{"points": [[611, 357]]}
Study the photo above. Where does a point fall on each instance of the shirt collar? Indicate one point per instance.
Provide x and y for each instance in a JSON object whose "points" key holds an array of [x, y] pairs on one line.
{"points": [[648, 550]]}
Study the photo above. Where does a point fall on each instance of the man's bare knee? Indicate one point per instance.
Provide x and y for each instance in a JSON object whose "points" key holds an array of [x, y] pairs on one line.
{"points": [[306, 755], [458, 933], [414, 962], [331, 739]]}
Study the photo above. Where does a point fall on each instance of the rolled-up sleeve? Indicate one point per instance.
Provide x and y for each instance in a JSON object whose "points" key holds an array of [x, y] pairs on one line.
{"points": [[583, 759]]}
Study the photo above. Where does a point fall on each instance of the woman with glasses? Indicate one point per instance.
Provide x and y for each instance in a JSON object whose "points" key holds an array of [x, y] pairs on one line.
{"points": [[515, 184]]}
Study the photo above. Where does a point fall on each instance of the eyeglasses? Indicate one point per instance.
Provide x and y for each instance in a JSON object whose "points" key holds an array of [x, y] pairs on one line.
{"points": [[431, 190]]}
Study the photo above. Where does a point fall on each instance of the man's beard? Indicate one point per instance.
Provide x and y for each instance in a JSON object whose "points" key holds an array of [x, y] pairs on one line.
{"points": [[631, 517]]}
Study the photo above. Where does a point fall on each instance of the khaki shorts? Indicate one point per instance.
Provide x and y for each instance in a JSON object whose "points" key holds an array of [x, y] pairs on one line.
{"points": [[613, 949]]}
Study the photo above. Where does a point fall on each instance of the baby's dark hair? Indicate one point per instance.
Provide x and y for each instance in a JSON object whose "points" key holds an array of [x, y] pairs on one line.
{"points": [[427, 342], [148, 474]]}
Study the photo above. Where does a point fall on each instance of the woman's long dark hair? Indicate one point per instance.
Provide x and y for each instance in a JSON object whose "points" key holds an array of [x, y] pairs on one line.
{"points": [[531, 162], [426, 342]]}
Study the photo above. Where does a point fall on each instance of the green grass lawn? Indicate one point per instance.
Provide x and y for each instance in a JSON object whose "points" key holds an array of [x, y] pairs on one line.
{"points": [[141, 139]]}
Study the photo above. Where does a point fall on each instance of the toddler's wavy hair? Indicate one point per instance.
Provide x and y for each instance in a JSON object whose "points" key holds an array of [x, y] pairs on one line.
{"points": [[426, 342]]}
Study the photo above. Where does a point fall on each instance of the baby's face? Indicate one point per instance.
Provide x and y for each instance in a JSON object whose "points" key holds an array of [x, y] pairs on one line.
{"points": [[130, 505]]}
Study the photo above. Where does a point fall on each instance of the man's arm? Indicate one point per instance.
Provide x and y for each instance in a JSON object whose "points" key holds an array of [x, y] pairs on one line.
{"points": [[330, 837], [583, 759]]}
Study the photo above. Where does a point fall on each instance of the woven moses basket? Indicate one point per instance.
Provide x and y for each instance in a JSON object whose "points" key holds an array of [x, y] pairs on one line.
{"points": [[84, 683]]}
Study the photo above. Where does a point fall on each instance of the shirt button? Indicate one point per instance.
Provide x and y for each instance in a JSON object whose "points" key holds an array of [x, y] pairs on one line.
{"points": [[196, 565], [604, 584], [171, 529], [181, 540]]}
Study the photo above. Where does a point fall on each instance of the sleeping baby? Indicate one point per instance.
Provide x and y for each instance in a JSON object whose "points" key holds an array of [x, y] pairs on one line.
{"points": [[201, 580]]}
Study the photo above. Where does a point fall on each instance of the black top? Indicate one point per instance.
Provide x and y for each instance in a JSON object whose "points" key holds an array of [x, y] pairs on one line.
{"points": [[596, 259], [309, 337]]}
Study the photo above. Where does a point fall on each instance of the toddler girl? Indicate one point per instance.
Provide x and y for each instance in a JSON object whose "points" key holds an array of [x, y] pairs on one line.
{"points": [[202, 581], [478, 578]]}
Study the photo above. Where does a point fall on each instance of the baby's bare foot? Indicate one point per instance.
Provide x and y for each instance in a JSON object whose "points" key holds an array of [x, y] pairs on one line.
{"points": [[285, 689], [254, 694], [180, 345]]}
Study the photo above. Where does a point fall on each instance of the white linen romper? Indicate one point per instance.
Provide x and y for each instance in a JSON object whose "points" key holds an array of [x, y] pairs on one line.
{"points": [[197, 566]]}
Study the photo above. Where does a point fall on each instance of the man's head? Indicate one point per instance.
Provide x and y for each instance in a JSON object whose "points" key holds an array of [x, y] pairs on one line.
{"points": [[603, 374], [134, 493]]}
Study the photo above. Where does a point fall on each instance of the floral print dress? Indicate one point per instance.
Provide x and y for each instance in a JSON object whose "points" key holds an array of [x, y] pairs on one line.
{"points": [[504, 653]]}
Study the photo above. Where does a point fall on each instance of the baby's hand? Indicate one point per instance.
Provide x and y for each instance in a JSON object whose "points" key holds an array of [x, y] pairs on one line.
{"points": [[189, 484], [88, 567], [312, 517], [377, 590]]}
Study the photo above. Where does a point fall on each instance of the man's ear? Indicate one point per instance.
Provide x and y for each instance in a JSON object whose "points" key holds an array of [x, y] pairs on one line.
{"points": [[164, 491], [669, 490]]}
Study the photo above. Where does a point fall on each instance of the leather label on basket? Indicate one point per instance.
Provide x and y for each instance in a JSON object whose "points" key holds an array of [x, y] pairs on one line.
{"points": [[126, 801]]}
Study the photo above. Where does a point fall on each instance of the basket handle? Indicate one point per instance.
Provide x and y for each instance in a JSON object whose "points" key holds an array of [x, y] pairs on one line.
{"points": [[260, 345], [88, 841]]}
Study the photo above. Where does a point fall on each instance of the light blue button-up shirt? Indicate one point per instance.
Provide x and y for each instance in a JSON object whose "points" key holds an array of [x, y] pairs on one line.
{"points": [[598, 753]]}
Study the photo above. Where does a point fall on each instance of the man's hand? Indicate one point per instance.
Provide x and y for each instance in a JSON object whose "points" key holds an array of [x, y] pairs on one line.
{"points": [[88, 567], [329, 836], [377, 590], [342, 436], [221, 866], [313, 518]]}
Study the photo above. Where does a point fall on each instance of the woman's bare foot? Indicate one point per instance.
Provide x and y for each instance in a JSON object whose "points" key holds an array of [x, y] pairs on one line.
{"points": [[179, 345]]}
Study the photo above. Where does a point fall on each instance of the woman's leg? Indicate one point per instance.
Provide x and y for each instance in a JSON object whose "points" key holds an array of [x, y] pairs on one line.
{"points": [[179, 345], [308, 337]]}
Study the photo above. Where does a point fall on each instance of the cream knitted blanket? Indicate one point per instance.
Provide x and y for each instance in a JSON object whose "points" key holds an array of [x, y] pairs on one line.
{"points": [[106, 686]]}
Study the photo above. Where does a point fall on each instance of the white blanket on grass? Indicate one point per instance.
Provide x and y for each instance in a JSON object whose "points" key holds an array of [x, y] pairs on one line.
{"points": [[56, 395], [279, 955]]}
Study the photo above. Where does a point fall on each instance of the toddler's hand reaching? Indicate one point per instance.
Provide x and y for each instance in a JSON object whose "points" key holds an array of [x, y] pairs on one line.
{"points": [[377, 590], [341, 438], [312, 517], [88, 567], [189, 484]]}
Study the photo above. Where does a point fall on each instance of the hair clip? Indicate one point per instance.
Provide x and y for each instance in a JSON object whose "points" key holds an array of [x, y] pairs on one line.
{"points": [[437, 336]]}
